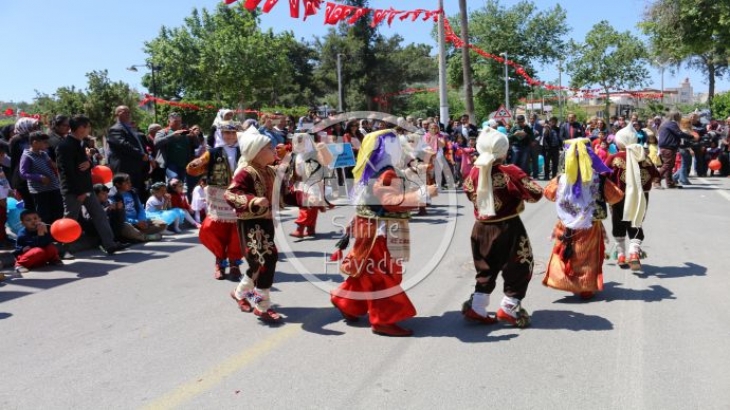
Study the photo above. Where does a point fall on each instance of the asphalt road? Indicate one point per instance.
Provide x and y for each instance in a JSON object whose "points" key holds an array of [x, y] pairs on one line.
{"points": [[150, 328]]}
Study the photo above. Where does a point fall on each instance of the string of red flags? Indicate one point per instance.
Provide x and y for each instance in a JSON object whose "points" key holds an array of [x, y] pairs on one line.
{"points": [[149, 99], [335, 13]]}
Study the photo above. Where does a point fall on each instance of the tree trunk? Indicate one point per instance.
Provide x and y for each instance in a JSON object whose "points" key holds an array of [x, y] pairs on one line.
{"points": [[711, 71], [468, 91], [607, 104]]}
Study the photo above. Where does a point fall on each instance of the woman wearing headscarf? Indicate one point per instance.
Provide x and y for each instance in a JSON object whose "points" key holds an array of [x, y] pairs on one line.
{"points": [[250, 194], [580, 195], [215, 138], [382, 241], [634, 174], [19, 143], [499, 241]]}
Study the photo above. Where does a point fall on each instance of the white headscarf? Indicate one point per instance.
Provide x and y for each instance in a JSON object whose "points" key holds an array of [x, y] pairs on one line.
{"points": [[491, 145], [250, 142], [217, 123], [634, 199]]}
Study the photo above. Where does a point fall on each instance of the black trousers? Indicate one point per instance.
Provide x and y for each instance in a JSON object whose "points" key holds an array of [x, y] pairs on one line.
{"points": [[623, 228], [552, 158], [257, 242], [49, 205], [502, 247]]}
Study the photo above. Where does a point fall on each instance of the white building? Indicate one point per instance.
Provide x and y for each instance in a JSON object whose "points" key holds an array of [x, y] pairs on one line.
{"points": [[684, 94]]}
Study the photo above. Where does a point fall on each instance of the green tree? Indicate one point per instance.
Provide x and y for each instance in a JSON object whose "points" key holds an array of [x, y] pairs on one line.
{"points": [[526, 34], [97, 101], [609, 59], [691, 32], [721, 106], [225, 56]]}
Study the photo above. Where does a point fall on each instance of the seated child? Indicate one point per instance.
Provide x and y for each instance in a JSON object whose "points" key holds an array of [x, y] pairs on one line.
{"points": [[159, 207], [179, 200], [136, 226], [34, 246], [199, 204], [114, 211]]}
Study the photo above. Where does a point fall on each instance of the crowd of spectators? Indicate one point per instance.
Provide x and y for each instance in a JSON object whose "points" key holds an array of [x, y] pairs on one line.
{"points": [[48, 170]]}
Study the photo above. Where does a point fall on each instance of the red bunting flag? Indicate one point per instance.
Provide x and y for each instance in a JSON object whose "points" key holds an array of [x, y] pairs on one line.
{"points": [[269, 5], [378, 16], [311, 7], [251, 5], [294, 8], [9, 112], [334, 13]]}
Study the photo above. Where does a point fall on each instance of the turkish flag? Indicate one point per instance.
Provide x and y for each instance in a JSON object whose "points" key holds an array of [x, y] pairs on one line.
{"points": [[334, 13], [378, 17], [294, 8], [311, 7], [269, 5], [358, 14], [251, 4]]}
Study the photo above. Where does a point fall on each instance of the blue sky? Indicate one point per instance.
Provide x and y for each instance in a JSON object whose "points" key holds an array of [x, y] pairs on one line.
{"points": [[53, 43]]}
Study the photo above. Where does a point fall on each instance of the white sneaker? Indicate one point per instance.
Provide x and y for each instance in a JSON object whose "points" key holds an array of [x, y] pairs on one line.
{"points": [[21, 269], [68, 256]]}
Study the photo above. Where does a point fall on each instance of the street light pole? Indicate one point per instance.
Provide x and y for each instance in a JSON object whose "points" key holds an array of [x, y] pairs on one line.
{"points": [[443, 92], [153, 90], [339, 83], [560, 88], [506, 82]]}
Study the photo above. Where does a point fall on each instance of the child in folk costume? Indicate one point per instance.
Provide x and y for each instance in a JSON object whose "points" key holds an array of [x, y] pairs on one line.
{"points": [[218, 232], [499, 241], [634, 174], [382, 244], [250, 194], [580, 195], [310, 166]]}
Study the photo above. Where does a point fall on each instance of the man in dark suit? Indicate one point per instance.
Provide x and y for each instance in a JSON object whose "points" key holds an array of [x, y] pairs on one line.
{"points": [[571, 129], [126, 151], [74, 170]]}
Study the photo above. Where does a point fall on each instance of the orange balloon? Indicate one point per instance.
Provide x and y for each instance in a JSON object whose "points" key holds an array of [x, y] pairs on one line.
{"points": [[715, 165], [65, 230], [103, 173]]}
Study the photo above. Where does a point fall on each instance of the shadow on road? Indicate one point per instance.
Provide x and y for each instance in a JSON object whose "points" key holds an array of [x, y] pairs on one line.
{"points": [[5, 315], [452, 324], [313, 319], [668, 272], [613, 291], [568, 320]]}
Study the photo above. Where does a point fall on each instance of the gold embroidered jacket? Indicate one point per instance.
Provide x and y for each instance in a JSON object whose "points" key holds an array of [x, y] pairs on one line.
{"points": [[511, 188]]}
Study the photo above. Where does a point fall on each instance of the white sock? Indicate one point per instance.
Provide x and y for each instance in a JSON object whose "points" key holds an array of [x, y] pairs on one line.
{"points": [[246, 285], [510, 306], [479, 303], [635, 246], [264, 302], [620, 244]]}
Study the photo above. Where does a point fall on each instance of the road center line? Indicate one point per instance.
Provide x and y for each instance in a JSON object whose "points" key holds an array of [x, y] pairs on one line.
{"points": [[217, 374]]}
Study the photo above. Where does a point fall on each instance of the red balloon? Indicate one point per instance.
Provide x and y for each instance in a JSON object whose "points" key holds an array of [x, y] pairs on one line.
{"points": [[65, 230], [715, 165], [104, 174]]}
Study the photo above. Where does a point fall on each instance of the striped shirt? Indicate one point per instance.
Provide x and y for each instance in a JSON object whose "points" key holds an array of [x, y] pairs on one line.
{"points": [[33, 166]]}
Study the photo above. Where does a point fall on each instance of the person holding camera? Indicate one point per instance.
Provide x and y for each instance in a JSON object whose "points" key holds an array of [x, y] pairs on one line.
{"points": [[177, 146], [126, 152]]}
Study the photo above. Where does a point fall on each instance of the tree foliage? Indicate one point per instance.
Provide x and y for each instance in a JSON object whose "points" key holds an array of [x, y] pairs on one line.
{"points": [[609, 59], [225, 56], [526, 34], [97, 101], [721, 106], [693, 32]]}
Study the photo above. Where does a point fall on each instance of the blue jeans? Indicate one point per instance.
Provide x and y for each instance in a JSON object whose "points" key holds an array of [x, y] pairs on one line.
{"points": [[682, 174], [520, 156]]}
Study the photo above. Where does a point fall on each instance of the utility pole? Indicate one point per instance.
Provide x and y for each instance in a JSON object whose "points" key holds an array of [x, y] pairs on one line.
{"points": [[443, 96], [339, 83], [506, 82], [560, 88], [466, 63]]}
